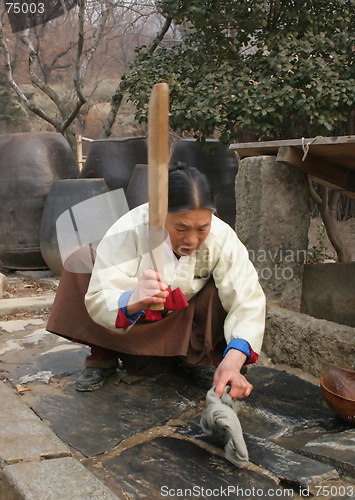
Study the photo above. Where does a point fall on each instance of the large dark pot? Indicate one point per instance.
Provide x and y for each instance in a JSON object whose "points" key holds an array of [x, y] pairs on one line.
{"points": [[219, 164], [29, 162], [77, 212], [137, 191], [115, 159]]}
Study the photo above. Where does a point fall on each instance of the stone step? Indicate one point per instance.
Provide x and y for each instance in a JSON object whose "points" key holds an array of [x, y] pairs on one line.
{"points": [[337, 449]]}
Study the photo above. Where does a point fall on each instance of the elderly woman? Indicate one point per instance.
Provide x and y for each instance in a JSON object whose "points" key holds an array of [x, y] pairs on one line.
{"points": [[213, 316]]}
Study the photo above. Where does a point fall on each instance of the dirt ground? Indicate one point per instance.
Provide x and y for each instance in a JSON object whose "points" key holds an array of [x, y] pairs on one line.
{"points": [[23, 286]]}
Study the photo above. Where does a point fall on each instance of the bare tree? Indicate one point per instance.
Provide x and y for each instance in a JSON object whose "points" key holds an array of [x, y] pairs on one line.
{"points": [[66, 109], [94, 42], [117, 98]]}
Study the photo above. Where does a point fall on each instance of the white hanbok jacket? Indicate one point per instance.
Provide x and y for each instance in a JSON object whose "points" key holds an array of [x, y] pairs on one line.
{"points": [[123, 255]]}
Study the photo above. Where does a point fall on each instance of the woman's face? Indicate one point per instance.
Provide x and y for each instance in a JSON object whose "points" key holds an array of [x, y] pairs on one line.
{"points": [[188, 230]]}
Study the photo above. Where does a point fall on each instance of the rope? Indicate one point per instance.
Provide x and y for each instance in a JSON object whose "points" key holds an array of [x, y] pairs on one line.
{"points": [[305, 145]]}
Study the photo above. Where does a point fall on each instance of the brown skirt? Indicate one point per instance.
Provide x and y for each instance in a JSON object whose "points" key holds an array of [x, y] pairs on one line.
{"points": [[188, 335]]}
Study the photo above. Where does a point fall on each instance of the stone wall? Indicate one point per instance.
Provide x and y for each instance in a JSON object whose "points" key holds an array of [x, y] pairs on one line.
{"points": [[273, 217], [273, 220], [328, 292], [307, 343]]}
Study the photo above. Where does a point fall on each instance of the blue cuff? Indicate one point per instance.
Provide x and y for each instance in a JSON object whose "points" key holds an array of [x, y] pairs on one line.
{"points": [[122, 304], [240, 345]]}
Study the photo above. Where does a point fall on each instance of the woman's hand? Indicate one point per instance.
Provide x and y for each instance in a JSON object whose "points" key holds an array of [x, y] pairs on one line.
{"points": [[228, 372], [150, 290]]}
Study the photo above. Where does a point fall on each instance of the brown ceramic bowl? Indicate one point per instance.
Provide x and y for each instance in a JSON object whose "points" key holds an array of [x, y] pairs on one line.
{"points": [[338, 389]]}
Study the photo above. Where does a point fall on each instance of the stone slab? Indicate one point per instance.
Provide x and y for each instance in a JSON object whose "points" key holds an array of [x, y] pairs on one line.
{"points": [[26, 304], [4, 285], [57, 479], [255, 421], [182, 383], [287, 465], [108, 416], [27, 350], [263, 423], [177, 468], [290, 339], [286, 395], [23, 436], [337, 449]]}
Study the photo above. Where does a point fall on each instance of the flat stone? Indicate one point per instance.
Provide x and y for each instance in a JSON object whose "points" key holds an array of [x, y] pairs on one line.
{"points": [[56, 479], [284, 463], [26, 304], [337, 449], [263, 423], [182, 383], [176, 468], [4, 285], [109, 415], [287, 465], [287, 396], [60, 364], [18, 325], [23, 436], [26, 350]]}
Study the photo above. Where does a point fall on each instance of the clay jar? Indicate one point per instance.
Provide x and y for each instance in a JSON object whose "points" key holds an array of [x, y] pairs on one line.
{"points": [[137, 191], [77, 213], [219, 164], [115, 159], [29, 162]]}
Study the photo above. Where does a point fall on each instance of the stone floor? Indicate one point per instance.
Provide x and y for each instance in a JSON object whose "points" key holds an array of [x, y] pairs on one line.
{"points": [[141, 437]]}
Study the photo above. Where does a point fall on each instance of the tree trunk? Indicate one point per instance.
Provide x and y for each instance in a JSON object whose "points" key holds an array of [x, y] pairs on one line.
{"points": [[327, 203], [116, 102], [70, 136]]}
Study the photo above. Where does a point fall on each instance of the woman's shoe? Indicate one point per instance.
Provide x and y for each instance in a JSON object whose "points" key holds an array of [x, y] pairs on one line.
{"points": [[92, 378]]}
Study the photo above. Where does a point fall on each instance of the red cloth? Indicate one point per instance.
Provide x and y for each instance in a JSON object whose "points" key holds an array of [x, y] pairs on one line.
{"points": [[174, 302], [253, 358], [122, 321]]}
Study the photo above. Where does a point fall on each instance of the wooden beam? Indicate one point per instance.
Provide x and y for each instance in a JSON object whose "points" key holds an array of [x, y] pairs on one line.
{"points": [[320, 169], [340, 150]]}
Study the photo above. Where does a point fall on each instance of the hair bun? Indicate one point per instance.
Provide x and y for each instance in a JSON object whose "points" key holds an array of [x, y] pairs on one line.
{"points": [[180, 166]]}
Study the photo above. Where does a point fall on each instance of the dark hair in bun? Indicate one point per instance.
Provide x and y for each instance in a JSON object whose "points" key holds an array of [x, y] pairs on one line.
{"points": [[189, 190]]}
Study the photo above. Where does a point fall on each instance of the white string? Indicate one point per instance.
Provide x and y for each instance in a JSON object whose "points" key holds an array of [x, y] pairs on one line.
{"points": [[305, 145]]}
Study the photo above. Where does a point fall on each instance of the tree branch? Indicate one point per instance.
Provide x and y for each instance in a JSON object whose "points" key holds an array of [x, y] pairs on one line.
{"points": [[159, 37], [30, 105], [315, 196], [97, 37], [60, 55], [46, 89], [327, 206], [117, 98]]}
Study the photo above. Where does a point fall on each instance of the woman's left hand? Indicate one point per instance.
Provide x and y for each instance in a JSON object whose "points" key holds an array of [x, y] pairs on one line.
{"points": [[228, 372]]}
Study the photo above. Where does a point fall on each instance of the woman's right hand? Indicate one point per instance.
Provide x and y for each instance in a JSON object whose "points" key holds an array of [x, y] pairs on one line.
{"points": [[150, 290]]}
